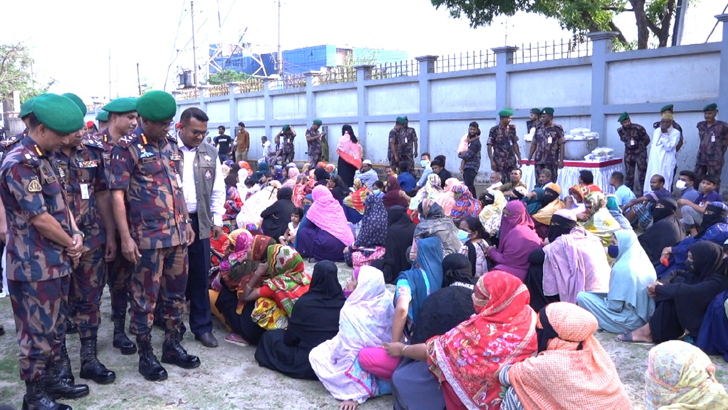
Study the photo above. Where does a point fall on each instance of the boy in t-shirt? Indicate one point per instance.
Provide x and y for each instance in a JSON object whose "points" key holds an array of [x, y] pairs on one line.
{"points": [[692, 211], [290, 235]]}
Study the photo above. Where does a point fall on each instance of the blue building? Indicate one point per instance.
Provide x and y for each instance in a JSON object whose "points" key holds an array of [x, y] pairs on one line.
{"points": [[300, 60]]}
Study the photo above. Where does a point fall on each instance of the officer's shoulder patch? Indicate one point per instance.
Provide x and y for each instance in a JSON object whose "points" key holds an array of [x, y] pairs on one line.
{"points": [[9, 142], [34, 186], [28, 158], [559, 126], [93, 141], [172, 138], [127, 140]]}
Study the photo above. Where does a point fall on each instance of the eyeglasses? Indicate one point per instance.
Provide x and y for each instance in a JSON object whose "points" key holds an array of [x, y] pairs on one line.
{"points": [[197, 133]]}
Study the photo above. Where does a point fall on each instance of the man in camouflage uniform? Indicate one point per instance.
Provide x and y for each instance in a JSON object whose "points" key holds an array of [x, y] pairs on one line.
{"points": [[548, 144], [122, 118], [405, 143], [534, 120], [82, 170], [103, 118], [635, 140], [288, 151], [313, 138], [145, 169], [503, 150], [713, 135], [669, 108], [43, 242]]}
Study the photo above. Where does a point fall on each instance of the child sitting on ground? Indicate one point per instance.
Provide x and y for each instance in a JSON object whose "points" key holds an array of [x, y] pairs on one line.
{"points": [[290, 235]]}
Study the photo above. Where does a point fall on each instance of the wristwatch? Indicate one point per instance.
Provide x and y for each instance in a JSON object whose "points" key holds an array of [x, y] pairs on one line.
{"points": [[79, 233], [188, 221]]}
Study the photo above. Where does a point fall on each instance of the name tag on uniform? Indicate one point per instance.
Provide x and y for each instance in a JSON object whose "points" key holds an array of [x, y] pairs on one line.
{"points": [[549, 140], [175, 157], [87, 164], [712, 138], [107, 156], [405, 140], [149, 160], [84, 191], [631, 142]]}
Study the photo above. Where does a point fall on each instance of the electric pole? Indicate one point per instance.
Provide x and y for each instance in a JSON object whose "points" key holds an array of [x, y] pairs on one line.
{"points": [[280, 56], [194, 47], [139, 81]]}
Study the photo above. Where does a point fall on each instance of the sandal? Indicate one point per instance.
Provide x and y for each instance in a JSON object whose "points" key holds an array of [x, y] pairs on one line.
{"points": [[236, 340], [626, 337]]}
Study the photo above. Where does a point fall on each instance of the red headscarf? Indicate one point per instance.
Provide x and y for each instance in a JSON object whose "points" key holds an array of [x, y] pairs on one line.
{"points": [[392, 197]]}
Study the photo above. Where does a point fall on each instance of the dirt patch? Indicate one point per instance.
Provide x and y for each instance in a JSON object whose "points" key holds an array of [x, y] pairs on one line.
{"points": [[230, 378]]}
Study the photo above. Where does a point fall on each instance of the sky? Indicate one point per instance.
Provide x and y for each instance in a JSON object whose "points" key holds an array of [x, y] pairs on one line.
{"points": [[90, 47]]}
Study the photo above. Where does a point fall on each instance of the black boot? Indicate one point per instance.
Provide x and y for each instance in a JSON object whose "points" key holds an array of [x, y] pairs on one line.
{"points": [[37, 399], [121, 341], [91, 367], [64, 366], [149, 366], [60, 388], [174, 353], [2, 330], [71, 326]]}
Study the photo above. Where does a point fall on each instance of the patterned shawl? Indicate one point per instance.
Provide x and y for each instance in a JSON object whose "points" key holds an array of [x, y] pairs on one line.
{"points": [[601, 223], [349, 151], [373, 225], [292, 177], [431, 190], [356, 199], [259, 202], [547, 211], [501, 332], [465, 204], [574, 372], [677, 379], [288, 280], [328, 215], [491, 215]]}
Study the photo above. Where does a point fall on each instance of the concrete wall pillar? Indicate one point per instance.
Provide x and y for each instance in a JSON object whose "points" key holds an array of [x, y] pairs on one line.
{"points": [[723, 78], [602, 44], [233, 106], [310, 98], [427, 68], [503, 58], [268, 107], [363, 73], [201, 97]]}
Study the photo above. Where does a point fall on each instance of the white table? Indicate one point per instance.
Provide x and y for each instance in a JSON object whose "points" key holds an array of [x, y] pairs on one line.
{"points": [[569, 174]]}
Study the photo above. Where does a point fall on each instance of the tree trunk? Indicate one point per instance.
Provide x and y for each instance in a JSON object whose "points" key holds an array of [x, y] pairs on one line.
{"points": [[643, 31], [665, 24]]}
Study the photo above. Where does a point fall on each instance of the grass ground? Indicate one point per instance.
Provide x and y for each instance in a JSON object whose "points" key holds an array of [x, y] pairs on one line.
{"points": [[230, 378]]}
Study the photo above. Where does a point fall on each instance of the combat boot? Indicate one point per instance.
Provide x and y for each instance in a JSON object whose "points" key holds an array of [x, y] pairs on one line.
{"points": [[149, 366], [60, 388], [71, 327], [121, 341], [2, 330], [91, 367], [174, 353], [64, 366], [37, 399]]}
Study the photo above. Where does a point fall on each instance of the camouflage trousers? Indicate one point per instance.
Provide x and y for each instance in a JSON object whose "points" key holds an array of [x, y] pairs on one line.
{"points": [[119, 278], [40, 314], [314, 157], [551, 167], [161, 273], [703, 170], [402, 157], [629, 166], [87, 286]]}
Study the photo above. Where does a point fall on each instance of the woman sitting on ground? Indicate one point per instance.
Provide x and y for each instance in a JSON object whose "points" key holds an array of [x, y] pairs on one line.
{"points": [[249, 217], [597, 218], [466, 360], [354, 203], [616, 212], [365, 321], [517, 240], [550, 203], [682, 298], [324, 233], [400, 229], [434, 222], [492, 212], [432, 190], [465, 204], [680, 376], [626, 306], [666, 230], [233, 201], [572, 369], [277, 216], [394, 195], [290, 173], [338, 188], [475, 247], [314, 320], [369, 243], [413, 386]]}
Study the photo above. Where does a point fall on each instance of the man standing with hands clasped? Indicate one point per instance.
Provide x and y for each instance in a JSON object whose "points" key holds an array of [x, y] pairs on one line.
{"points": [[204, 191], [145, 169], [547, 148], [635, 140]]}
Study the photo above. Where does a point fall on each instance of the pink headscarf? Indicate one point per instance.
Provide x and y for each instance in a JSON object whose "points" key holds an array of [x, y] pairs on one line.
{"points": [[292, 176], [328, 215], [518, 216]]}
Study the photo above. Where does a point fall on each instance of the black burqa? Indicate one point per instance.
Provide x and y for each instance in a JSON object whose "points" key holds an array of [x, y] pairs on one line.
{"points": [[340, 190], [681, 304], [666, 230], [321, 175], [414, 387], [314, 320], [400, 231], [277, 216]]}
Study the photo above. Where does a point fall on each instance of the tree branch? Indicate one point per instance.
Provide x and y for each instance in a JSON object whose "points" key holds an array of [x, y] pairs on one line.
{"points": [[620, 36], [617, 9]]}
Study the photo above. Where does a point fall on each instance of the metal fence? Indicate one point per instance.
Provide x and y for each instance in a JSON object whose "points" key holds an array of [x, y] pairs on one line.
{"points": [[336, 75], [465, 61], [217, 90], [555, 50], [188, 93], [250, 85], [405, 68]]}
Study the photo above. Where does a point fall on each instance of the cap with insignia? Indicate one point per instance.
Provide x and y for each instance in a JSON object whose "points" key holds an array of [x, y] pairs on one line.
{"points": [[26, 108], [507, 112], [536, 111], [547, 110], [121, 105], [286, 128], [318, 122], [156, 106], [401, 120], [102, 115], [58, 113], [711, 107], [623, 117], [668, 107], [76, 100]]}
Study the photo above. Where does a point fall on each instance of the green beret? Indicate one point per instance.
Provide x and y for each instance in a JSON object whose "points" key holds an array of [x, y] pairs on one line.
{"points": [[318, 122], [507, 112], [102, 115], [121, 105], [26, 108], [156, 106], [547, 110], [535, 111], [623, 117], [77, 100], [286, 128], [401, 120], [58, 113], [711, 107], [668, 107]]}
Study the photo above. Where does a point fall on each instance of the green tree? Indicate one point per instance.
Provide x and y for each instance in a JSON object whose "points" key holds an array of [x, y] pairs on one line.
{"points": [[15, 73], [652, 17], [227, 76]]}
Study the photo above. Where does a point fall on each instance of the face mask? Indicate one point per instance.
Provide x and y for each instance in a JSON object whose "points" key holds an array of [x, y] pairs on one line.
{"points": [[376, 192], [690, 266], [613, 251], [462, 235], [680, 184], [424, 163]]}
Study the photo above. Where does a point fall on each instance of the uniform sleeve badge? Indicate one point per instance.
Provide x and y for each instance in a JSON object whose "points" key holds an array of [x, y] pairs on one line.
{"points": [[207, 158], [208, 174], [34, 186]]}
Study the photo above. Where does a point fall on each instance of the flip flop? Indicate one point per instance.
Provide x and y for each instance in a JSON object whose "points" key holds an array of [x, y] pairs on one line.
{"points": [[627, 338], [236, 340]]}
